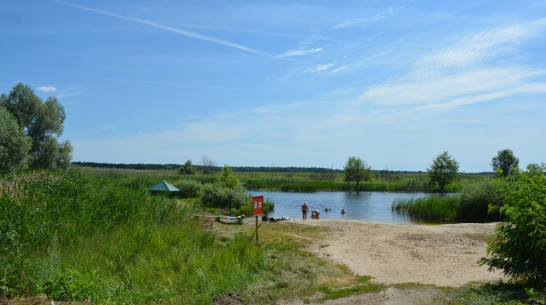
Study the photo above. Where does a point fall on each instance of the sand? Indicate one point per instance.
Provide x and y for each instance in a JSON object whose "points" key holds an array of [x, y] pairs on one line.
{"points": [[443, 255]]}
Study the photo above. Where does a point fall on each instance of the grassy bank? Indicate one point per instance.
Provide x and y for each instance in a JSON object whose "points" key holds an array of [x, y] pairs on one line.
{"points": [[73, 237], [106, 239]]}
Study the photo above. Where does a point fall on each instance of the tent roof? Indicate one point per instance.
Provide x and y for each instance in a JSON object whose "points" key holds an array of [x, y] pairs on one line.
{"points": [[163, 186]]}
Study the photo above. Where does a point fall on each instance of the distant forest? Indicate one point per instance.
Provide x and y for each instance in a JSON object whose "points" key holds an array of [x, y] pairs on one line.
{"points": [[142, 166]]}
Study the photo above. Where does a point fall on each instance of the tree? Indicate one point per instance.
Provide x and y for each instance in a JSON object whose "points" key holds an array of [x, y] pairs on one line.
{"points": [[43, 123], [506, 162], [356, 170], [518, 247], [443, 170], [14, 144], [186, 169], [227, 179], [208, 165]]}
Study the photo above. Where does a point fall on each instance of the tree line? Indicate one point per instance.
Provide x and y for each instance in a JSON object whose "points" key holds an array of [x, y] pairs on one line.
{"points": [[201, 168], [442, 171]]}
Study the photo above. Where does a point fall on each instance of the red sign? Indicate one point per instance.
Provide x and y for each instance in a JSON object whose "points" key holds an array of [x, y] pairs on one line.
{"points": [[257, 205]]}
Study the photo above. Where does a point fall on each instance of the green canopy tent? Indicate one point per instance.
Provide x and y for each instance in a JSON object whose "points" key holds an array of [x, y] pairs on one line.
{"points": [[163, 186]]}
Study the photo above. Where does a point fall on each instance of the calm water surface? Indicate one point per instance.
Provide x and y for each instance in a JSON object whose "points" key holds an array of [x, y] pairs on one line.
{"points": [[369, 206]]}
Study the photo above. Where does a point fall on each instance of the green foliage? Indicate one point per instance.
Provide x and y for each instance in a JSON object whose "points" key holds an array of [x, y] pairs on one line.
{"points": [[42, 122], [14, 144], [186, 169], [474, 201], [189, 188], [519, 245], [500, 293], [470, 204], [227, 179], [217, 196], [430, 207], [443, 170], [365, 286], [106, 239], [356, 170], [506, 162]]}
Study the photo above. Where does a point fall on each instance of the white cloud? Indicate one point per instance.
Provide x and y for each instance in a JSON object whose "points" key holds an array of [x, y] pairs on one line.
{"points": [[319, 68], [299, 52], [449, 87], [70, 92], [363, 21], [482, 46], [339, 69], [46, 89]]}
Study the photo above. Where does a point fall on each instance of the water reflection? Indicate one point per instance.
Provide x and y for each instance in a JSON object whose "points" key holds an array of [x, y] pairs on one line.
{"points": [[369, 206]]}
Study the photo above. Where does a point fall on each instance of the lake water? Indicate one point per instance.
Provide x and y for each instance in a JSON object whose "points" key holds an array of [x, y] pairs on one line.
{"points": [[369, 206]]}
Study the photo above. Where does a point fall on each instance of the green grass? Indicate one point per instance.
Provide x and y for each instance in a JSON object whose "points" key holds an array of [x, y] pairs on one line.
{"points": [[500, 293], [365, 285], [103, 239]]}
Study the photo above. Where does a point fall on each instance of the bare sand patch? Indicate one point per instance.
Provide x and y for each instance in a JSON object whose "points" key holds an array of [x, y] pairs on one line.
{"points": [[443, 255]]}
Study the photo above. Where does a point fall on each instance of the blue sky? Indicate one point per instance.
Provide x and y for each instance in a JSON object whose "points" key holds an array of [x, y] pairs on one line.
{"points": [[286, 83]]}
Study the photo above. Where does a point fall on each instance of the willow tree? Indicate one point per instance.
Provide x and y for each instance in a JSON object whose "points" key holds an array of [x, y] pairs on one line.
{"points": [[443, 170], [14, 144], [356, 170], [43, 123]]}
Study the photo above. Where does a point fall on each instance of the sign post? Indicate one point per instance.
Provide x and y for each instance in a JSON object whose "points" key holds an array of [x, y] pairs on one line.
{"points": [[257, 209]]}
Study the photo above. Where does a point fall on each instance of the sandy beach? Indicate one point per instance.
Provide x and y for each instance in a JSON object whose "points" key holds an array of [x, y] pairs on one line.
{"points": [[443, 255]]}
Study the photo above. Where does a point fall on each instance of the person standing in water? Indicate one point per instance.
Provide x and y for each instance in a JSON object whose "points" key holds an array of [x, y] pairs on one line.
{"points": [[304, 209]]}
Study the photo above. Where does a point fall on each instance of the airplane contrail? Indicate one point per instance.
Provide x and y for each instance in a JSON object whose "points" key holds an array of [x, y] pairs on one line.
{"points": [[165, 28]]}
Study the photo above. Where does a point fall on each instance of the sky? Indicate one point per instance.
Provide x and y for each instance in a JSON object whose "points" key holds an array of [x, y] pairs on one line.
{"points": [[286, 83]]}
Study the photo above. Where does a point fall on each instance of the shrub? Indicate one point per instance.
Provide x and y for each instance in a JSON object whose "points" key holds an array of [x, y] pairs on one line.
{"points": [[215, 195], [519, 246], [474, 201], [189, 188]]}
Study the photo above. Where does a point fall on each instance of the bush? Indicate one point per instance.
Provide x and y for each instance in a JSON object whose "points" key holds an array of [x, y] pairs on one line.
{"points": [[189, 188], [474, 201], [519, 245], [217, 196]]}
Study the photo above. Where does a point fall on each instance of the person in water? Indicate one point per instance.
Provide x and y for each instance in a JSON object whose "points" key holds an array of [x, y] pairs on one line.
{"points": [[342, 211], [304, 209]]}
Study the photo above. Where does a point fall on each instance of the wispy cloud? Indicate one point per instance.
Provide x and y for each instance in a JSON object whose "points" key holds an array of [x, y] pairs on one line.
{"points": [[70, 92], [299, 52], [363, 21], [339, 69], [46, 89], [166, 28], [319, 68], [483, 46], [457, 86], [459, 74]]}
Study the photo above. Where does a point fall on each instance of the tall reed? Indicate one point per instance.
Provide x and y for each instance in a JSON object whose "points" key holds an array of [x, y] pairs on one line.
{"points": [[107, 239]]}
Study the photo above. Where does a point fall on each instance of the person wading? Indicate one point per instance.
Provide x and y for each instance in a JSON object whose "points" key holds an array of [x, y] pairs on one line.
{"points": [[304, 209]]}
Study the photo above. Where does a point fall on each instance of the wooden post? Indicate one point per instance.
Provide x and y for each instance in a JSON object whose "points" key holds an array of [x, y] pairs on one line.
{"points": [[256, 228]]}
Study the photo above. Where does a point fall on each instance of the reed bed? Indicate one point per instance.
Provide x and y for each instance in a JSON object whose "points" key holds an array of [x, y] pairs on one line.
{"points": [[470, 204]]}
